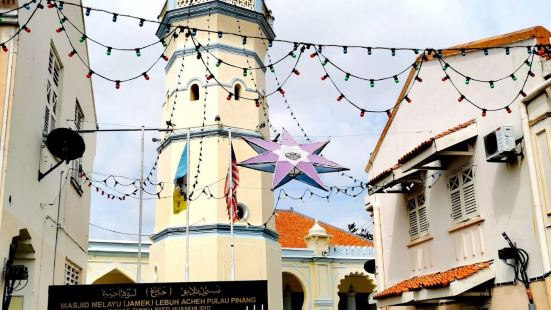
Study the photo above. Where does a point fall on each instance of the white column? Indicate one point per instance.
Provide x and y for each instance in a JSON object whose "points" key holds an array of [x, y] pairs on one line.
{"points": [[351, 299]]}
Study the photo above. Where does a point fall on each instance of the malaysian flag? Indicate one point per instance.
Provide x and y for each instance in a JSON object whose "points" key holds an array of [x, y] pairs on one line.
{"points": [[232, 203]]}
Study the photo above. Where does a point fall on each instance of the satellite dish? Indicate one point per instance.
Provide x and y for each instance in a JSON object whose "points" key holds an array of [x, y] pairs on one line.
{"points": [[64, 144], [369, 266]]}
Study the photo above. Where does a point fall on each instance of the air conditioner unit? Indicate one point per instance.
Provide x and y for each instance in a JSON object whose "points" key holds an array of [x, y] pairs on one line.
{"points": [[500, 144]]}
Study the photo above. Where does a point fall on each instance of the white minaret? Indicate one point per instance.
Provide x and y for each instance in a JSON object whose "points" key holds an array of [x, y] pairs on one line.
{"points": [[203, 106]]}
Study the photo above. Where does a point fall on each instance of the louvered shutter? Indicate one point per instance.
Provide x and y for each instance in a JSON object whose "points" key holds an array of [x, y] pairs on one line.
{"points": [[46, 129], [454, 187], [412, 214], [468, 191], [422, 215]]}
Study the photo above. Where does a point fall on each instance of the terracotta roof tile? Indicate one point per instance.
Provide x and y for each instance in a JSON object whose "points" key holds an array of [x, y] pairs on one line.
{"points": [[292, 227], [435, 280], [418, 149]]}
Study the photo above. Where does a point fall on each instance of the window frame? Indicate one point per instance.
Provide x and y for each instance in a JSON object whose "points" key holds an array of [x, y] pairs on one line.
{"points": [[417, 208], [53, 90], [72, 269], [237, 90], [194, 92], [464, 195]]}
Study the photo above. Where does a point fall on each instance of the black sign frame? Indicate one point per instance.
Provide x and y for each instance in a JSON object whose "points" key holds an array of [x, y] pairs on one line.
{"points": [[235, 295]]}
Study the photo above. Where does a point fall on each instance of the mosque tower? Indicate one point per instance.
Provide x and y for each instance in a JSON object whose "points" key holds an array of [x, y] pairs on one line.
{"points": [[210, 111]]}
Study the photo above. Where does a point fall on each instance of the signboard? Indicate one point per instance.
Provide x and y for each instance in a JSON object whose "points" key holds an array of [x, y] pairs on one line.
{"points": [[252, 295]]}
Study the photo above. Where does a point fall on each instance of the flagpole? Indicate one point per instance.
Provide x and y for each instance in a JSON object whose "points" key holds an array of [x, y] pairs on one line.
{"points": [[139, 272], [230, 171], [188, 202]]}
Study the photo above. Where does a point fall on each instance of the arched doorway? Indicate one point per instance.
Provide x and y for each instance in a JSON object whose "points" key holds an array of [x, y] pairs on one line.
{"points": [[293, 292], [114, 276], [354, 290]]}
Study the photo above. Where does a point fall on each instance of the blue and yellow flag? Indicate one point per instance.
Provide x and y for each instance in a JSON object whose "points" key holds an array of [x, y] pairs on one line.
{"points": [[179, 198]]}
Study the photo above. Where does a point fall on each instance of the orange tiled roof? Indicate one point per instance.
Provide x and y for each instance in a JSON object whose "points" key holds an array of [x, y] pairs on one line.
{"points": [[292, 227], [418, 149], [435, 280]]}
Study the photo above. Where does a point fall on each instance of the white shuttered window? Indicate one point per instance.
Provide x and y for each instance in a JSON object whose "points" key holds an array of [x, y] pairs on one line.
{"points": [[52, 93], [462, 195], [417, 214]]}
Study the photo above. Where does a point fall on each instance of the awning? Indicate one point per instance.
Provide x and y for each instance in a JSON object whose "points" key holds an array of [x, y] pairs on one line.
{"points": [[441, 285], [431, 154]]}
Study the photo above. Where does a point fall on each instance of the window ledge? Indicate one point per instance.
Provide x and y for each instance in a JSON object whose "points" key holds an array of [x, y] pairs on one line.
{"points": [[419, 241], [471, 222]]}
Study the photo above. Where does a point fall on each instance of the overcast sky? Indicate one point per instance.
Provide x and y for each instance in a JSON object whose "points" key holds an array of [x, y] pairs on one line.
{"points": [[397, 23]]}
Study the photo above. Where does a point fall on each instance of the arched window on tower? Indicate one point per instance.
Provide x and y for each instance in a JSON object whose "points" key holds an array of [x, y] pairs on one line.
{"points": [[194, 92], [237, 91]]}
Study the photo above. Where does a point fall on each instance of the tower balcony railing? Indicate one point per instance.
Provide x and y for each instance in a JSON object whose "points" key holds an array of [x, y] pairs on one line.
{"points": [[247, 4], [7, 5]]}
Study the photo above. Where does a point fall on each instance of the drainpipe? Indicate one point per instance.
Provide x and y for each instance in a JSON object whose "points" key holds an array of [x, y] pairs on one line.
{"points": [[536, 194]]}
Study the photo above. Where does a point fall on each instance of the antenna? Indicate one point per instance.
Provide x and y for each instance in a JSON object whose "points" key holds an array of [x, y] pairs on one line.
{"points": [[66, 145]]}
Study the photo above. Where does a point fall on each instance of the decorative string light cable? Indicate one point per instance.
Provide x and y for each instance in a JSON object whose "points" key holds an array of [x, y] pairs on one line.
{"points": [[344, 48], [137, 50], [406, 97], [371, 80], [484, 110], [170, 122], [280, 90], [468, 78], [24, 27], [117, 82], [202, 129]]}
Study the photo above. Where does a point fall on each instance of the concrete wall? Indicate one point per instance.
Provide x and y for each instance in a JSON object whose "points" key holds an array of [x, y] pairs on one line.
{"points": [[27, 203], [502, 190]]}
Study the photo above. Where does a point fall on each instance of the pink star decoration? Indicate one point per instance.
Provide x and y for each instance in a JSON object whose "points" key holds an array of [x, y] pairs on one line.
{"points": [[289, 160]]}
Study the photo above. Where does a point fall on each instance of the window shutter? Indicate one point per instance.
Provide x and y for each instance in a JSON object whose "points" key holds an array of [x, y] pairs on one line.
{"points": [[422, 214], [468, 192], [455, 198], [413, 224], [46, 129]]}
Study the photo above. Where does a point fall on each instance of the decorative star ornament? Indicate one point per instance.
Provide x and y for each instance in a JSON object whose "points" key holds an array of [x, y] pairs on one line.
{"points": [[288, 161]]}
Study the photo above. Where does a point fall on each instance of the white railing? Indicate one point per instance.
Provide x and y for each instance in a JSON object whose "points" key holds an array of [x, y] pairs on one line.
{"points": [[247, 4], [351, 251]]}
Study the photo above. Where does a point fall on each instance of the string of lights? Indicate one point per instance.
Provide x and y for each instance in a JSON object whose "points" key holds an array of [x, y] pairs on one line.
{"points": [[211, 76], [109, 49], [170, 122], [201, 140], [371, 80], [418, 65], [320, 46], [24, 26], [118, 82], [485, 110], [26, 5], [468, 78]]}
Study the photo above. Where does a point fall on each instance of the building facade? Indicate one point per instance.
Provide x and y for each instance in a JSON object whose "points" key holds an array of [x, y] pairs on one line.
{"points": [[442, 201], [43, 224], [322, 266]]}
